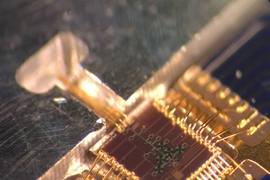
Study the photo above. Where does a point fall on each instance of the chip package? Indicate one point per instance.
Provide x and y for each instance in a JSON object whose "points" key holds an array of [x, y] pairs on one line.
{"points": [[155, 149]]}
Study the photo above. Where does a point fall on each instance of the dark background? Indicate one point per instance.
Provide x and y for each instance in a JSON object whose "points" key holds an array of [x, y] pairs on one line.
{"points": [[128, 42]]}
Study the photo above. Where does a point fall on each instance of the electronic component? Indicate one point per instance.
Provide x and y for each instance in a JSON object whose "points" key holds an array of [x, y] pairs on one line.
{"points": [[186, 134], [154, 148], [183, 123]]}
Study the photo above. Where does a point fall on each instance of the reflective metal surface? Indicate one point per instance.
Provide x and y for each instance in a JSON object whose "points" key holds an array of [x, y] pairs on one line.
{"points": [[128, 41]]}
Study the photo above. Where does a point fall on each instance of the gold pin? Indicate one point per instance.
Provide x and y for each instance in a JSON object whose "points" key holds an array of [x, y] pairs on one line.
{"points": [[58, 64]]}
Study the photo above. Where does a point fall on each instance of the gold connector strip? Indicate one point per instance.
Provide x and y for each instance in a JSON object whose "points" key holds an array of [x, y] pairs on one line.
{"points": [[114, 169], [235, 114]]}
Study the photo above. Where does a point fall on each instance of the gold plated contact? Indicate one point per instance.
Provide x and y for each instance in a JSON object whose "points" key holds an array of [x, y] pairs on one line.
{"points": [[215, 168], [106, 167]]}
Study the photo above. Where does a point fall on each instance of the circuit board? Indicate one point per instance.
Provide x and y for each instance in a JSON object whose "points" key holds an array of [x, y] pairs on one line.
{"points": [[152, 152]]}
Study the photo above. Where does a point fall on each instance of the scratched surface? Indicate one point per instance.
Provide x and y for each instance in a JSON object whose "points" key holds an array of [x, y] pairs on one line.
{"points": [[128, 42]]}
